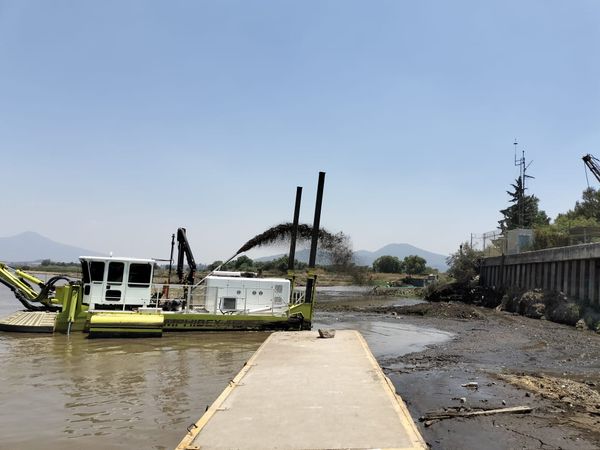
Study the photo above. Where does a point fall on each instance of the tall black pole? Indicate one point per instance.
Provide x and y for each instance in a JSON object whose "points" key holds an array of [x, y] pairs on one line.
{"points": [[315, 238], [171, 258], [295, 228]]}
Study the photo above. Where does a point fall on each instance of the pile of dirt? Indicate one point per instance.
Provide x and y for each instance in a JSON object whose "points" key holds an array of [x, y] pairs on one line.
{"points": [[535, 304], [471, 293], [573, 393], [426, 309], [538, 304], [441, 309], [580, 400], [411, 292], [550, 305]]}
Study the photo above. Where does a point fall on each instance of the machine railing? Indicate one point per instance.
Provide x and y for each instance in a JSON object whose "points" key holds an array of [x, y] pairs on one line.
{"points": [[298, 296], [203, 299]]}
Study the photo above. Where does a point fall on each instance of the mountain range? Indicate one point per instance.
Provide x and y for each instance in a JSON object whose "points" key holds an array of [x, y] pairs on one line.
{"points": [[435, 260], [366, 257], [33, 247], [30, 247]]}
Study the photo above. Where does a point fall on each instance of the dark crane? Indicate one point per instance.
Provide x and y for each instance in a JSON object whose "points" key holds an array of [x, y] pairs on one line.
{"points": [[183, 248], [593, 164]]}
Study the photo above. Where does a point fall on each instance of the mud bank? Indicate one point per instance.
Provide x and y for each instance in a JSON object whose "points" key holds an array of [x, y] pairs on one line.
{"points": [[535, 303], [515, 361]]}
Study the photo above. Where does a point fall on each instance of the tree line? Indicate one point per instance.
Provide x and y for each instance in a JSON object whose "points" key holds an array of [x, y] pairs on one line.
{"points": [[579, 224], [411, 265]]}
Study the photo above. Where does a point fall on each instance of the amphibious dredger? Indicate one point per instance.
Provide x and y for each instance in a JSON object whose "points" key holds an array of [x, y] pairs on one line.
{"points": [[118, 297]]}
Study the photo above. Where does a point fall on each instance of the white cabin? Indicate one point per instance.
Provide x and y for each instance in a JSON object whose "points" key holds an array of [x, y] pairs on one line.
{"points": [[116, 283], [111, 283], [235, 295]]}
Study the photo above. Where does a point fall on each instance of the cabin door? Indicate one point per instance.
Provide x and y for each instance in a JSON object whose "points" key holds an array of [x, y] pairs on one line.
{"points": [[114, 290], [93, 282]]}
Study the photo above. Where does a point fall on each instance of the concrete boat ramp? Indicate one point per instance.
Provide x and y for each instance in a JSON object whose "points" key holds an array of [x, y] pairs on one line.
{"points": [[302, 392]]}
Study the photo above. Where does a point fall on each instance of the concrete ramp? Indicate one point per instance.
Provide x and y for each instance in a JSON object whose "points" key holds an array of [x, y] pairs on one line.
{"points": [[302, 392]]}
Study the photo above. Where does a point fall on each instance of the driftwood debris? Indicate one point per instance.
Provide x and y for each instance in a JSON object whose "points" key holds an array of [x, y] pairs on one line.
{"points": [[432, 417]]}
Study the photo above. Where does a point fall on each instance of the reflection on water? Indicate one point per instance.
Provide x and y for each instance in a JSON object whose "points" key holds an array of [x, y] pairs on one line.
{"points": [[77, 392], [61, 392]]}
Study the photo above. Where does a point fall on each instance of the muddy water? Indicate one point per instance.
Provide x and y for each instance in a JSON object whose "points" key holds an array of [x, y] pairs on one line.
{"points": [[61, 392]]}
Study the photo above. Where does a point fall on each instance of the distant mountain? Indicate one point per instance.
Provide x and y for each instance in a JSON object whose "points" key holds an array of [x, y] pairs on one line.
{"points": [[366, 258], [301, 255], [32, 247], [435, 260]]}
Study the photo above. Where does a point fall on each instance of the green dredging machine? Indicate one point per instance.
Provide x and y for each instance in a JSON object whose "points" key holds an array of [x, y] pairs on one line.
{"points": [[118, 297]]}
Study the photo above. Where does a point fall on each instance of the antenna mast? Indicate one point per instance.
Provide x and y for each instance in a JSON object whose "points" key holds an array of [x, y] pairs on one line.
{"points": [[523, 166]]}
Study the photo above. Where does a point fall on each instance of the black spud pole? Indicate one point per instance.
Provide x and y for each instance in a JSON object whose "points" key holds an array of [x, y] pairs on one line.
{"points": [[310, 282], [295, 228]]}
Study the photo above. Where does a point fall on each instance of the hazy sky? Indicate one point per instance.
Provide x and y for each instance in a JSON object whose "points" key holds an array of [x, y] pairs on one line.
{"points": [[122, 120]]}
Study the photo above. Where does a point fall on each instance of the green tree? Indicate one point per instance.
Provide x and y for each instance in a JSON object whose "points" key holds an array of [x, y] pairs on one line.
{"points": [[588, 207], [243, 263], [414, 265], [387, 264], [578, 225], [524, 210], [214, 265], [281, 264], [464, 264]]}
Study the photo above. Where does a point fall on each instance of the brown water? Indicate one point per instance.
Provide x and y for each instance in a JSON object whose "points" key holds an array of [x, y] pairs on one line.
{"points": [[60, 392]]}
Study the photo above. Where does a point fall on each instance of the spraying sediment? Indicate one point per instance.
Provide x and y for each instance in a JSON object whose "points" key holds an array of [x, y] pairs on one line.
{"points": [[336, 247]]}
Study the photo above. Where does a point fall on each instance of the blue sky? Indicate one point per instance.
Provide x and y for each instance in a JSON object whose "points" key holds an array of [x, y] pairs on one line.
{"points": [[122, 120]]}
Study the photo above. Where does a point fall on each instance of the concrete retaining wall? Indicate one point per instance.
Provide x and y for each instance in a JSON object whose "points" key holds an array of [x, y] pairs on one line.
{"points": [[573, 270]]}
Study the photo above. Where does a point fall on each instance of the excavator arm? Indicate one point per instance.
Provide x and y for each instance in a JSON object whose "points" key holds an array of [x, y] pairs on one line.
{"points": [[18, 282]]}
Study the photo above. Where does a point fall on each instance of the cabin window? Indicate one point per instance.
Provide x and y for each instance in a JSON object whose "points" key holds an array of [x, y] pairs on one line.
{"points": [[229, 303], [97, 270], [140, 275], [112, 295], [115, 272], [85, 272]]}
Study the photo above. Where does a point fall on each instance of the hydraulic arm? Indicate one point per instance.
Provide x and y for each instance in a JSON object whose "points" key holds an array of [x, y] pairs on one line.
{"points": [[593, 164], [18, 282], [183, 248]]}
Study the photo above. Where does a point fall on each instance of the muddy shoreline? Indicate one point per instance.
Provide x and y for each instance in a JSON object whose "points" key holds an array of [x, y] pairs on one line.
{"points": [[515, 361]]}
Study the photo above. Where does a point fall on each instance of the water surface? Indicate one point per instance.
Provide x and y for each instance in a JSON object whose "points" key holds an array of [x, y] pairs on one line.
{"points": [[69, 392]]}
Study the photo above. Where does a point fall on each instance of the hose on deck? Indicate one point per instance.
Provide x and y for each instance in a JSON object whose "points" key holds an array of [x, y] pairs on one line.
{"points": [[42, 297]]}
